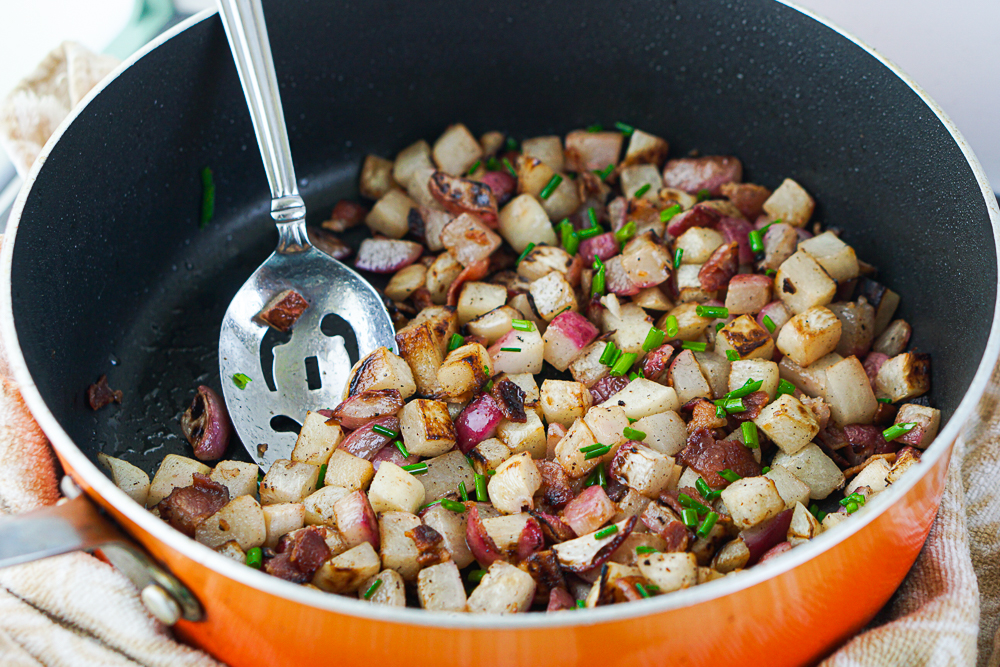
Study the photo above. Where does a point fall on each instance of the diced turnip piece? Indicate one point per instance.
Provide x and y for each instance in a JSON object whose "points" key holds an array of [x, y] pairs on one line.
{"points": [[802, 283], [643, 469], [566, 337], [833, 519], [543, 260], [630, 325], [451, 526], [381, 370], [495, 324], [317, 439], [524, 352], [390, 217], [903, 376], [587, 367], [811, 334], [687, 378], [733, 556], [882, 299], [836, 257], [780, 243], [321, 505], [811, 380], [715, 368], [764, 370], [281, 519], [242, 520], [440, 588], [849, 393], [813, 467], [524, 221], [894, 339], [589, 511], [469, 240], [690, 325], [589, 551], [607, 424], [465, 369], [397, 551], [645, 148], [391, 592], [132, 480], [366, 406], [174, 472], [411, 159], [477, 299], [237, 476], [532, 178], [527, 436], [432, 221], [504, 589], [747, 338], [563, 401], [548, 149], [346, 572], [906, 459], [456, 150], [515, 482], [233, 550], [506, 530], [376, 177], [646, 262], [927, 421], [748, 293], [395, 490], [616, 278], [590, 151], [790, 203], [670, 572], [444, 474], [552, 295], [637, 176], [568, 454], [427, 427], [665, 432], [803, 526], [752, 500], [689, 288], [405, 282], [348, 471], [440, 276], [420, 191], [873, 476], [488, 455], [857, 320], [788, 423], [778, 314], [642, 397], [653, 298], [791, 489], [418, 346]]}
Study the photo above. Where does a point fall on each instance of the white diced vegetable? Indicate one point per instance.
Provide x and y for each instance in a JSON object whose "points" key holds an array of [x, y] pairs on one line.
{"points": [[927, 421], [637, 176], [849, 393], [317, 439], [495, 324], [130, 479], [488, 455], [346, 572], [395, 490], [566, 337], [512, 487], [687, 378], [451, 526], [456, 150], [803, 526], [811, 334], [469, 240], [643, 469], [752, 500], [504, 589], [376, 177], [237, 476], [671, 571], [698, 244], [465, 369], [440, 588], [524, 221], [568, 453], [398, 551], [524, 352], [802, 283], [607, 423], [548, 149], [791, 489], [552, 295], [427, 427], [174, 472], [690, 325], [642, 397], [836, 257], [790, 203], [563, 401], [381, 370], [903, 376], [288, 482], [444, 474], [645, 148], [788, 423], [391, 592], [440, 275], [411, 159], [242, 520], [348, 471], [874, 476], [813, 467], [527, 436], [747, 338], [811, 380], [755, 369], [665, 432], [281, 519], [320, 505], [390, 215]]}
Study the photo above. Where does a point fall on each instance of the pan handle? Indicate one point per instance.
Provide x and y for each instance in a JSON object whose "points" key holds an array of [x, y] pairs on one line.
{"points": [[77, 524]]}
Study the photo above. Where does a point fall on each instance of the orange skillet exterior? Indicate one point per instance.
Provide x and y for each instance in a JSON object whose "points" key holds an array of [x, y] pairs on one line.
{"points": [[794, 618]]}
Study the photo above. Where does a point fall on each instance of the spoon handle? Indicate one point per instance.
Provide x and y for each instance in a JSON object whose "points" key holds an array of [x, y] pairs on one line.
{"points": [[247, 33]]}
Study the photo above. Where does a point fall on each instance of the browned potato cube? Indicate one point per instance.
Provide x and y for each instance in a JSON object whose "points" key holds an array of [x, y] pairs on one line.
{"points": [[465, 369], [348, 471], [440, 588], [418, 346], [381, 370], [391, 592], [411, 159], [427, 427], [398, 551], [904, 376], [456, 150], [242, 520], [802, 283], [288, 482], [563, 401], [390, 215], [747, 339], [317, 439], [790, 203], [376, 177], [811, 334], [346, 572]]}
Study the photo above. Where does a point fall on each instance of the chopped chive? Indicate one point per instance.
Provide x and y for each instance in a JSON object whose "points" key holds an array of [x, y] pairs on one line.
{"points": [[462, 493], [599, 284], [645, 550], [625, 234], [432, 503], [729, 475], [785, 387], [255, 557], [711, 311], [817, 512], [769, 273], [756, 242], [851, 507], [671, 328], [702, 487], [563, 311], [642, 590], [551, 186], [703, 194], [455, 342], [416, 468], [596, 127], [592, 216], [387, 432], [607, 357], [887, 401], [489, 386], [402, 449], [732, 355], [472, 170], [241, 380], [750, 438], [570, 239], [853, 498], [641, 191], [511, 144], [633, 434], [652, 587], [765, 470], [633, 376], [520, 258], [687, 501], [623, 364], [670, 212], [481, 494], [493, 164], [769, 324], [618, 355], [598, 264], [606, 532], [706, 526], [678, 255], [689, 517], [597, 453], [624, 128], [523, 325], [654, 339], [596, 478], [207, 198], [477, 575], [590, 448], [604, 173], [581, 604], [510, 349], [321, 480], [590, 232], [452, 505], [720, 412], [697, 346], [720, 326], [749, 387], [509, 167], [734, 405]]}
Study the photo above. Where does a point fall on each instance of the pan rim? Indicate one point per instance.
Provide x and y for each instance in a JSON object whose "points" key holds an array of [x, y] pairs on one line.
{"points": [[222, 566]]}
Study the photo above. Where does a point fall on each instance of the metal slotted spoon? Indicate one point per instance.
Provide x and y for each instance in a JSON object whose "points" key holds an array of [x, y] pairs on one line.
{"points": [[351, 307]]}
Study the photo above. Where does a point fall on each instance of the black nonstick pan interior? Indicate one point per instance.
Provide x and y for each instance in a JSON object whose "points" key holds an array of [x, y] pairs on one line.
{"points": [[111, 273]]}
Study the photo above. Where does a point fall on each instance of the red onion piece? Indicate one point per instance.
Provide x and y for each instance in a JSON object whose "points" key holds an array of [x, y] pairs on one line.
{"points": [[478, 422], [387, 255], [531, 539], [604, 246], [482, 546], [762, 537], [364, 442], [392, 454]]}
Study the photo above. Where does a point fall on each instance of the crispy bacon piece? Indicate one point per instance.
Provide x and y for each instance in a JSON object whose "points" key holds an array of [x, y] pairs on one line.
{"points": [[462, 195], [345, 214], [473, 271], [607, 387], [543, 567], [703, 416], [188, 506], [283, 310], [510, 399], [670, 498], [707, 457], [299, 554], [657, 362], [659, 518], [720, 267], [711, 172], [100, 394], [747, 197], [754, 402], [555, 487], [865, 440], [429, 545]]}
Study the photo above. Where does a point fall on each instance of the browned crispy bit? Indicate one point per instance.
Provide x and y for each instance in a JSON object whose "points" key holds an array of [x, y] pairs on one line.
{"points": [[100, 394], [283, 310]]}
